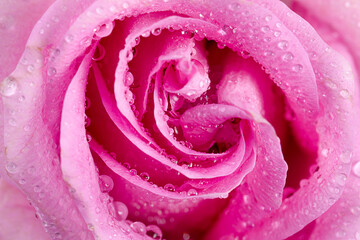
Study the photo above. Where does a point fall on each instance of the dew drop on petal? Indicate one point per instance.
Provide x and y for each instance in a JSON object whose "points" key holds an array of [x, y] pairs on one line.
{"points": [[283, 45], [145, 176], [288, 56], [169, 187], [129, 79], [106, 183], [51, 71], [344, 93], [297, 68], [11, 167], [121, 211], [156, 31], [154, 232], [138, 227], [8, 86], [104, 30], [356, 169], [192, 192]]}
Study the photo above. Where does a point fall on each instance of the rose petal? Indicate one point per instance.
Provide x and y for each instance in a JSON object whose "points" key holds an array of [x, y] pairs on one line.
{"points": [[18, 216], [16, 23]]}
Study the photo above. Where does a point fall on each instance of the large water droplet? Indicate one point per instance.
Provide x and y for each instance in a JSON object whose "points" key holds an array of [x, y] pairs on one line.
{"points": [[154, 232], [121, 211], [138, 227], [104, 30], [106, 183], [356, 169], [8, 86], [192, 192]]}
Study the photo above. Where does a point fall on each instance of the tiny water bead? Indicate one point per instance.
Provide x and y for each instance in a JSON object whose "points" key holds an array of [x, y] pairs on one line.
{"points": [[11, 168], [51, 71], [121, 211], [145, 176], [8, 87], [106, 183], [288, 56]]}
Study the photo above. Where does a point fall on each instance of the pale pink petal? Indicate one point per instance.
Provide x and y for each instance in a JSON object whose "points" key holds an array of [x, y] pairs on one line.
{"points": [[18, 219], [16, 23]]}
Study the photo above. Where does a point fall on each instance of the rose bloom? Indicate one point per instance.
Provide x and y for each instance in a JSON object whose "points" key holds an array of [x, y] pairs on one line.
{"points": [[178, 119]]}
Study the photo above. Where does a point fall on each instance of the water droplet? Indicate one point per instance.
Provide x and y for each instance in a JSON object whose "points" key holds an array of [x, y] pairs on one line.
{"points": [[106, 183], [356, 169], [11, 168], [154, 232], [283, 45], [129, 79], [69, 38], [121, 211], [137, 41], [344, 93], [88, 138], [156, 31], [87, 121], [297, 68], [288, 56], [129, 96], [87, 103], [268, 18], [51, 71], [104, 30], [133, 172], [192, 192], [169, 187], [186, 236], [30, 68], [345, 156], [265, 29], [145, 176], [268, 53], [277, 33], [146, 34], [138, 227], [340, 178], [8, 86], [99, 53]]}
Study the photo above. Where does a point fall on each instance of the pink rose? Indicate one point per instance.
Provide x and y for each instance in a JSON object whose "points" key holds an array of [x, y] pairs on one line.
{"points": [[175, 119]]}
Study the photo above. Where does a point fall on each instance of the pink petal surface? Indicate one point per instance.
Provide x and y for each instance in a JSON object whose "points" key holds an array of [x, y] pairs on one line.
{"points": [[18, 219], [336, 157], [16, 23]]}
